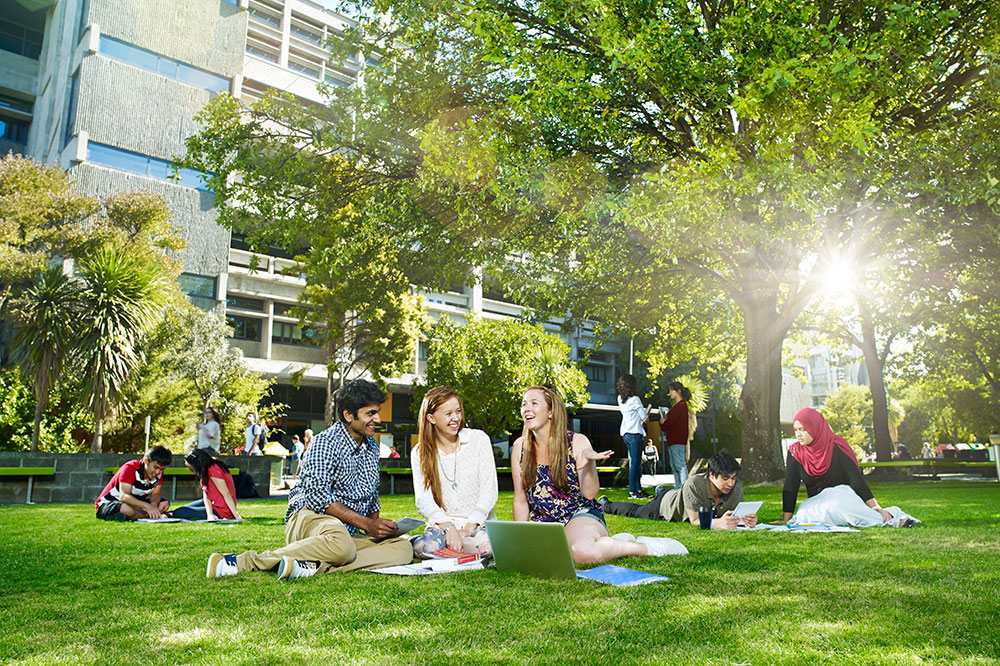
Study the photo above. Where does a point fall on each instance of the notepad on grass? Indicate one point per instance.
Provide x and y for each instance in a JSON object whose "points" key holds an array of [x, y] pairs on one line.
{"points": [[620, 576]]}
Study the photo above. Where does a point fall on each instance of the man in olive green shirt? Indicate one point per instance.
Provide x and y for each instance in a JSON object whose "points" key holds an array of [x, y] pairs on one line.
{"points": [[718, 488]]}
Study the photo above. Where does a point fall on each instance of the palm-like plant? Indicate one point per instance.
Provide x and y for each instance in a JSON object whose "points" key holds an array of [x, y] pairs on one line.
{"points": [[699, 393], [123, 296], [44, 318]]}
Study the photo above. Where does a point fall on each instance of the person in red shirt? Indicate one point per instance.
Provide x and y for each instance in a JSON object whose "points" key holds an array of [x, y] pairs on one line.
{"points": [[675, 428], [134, 491], [217, 490]]}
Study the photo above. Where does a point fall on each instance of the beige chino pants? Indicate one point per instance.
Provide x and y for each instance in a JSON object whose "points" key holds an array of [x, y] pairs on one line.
{"points": [[323, 538]]}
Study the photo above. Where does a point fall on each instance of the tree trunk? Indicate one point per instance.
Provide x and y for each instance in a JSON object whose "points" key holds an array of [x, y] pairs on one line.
{"points": [[876, 379], [98, 442], [36, 430], [760, 399]]}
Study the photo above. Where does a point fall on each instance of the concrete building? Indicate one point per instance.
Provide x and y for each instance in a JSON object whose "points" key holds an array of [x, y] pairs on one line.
{"points": [[108, 89], [817, 374]]}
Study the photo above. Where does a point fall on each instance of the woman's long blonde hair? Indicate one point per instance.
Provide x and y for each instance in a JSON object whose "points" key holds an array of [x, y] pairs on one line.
{"points": [[557, 446], [427, 443]]}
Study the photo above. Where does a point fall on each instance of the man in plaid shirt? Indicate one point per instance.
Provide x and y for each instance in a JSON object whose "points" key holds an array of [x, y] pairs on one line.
{"points": [[336, 496]]}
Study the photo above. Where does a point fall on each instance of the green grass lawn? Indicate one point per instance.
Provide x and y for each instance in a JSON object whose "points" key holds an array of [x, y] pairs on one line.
{"points": [[79, 591]]}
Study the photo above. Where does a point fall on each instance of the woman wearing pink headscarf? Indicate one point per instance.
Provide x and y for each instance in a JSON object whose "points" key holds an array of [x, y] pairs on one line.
{"points": [[821, 460]]}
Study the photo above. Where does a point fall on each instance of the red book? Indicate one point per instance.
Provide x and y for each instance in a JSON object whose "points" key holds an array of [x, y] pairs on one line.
{"points": [[462, 558]]}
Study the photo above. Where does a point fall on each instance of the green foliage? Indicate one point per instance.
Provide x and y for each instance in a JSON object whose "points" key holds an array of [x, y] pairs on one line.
{"points": [[122, 300], [64, 418], [45, 317], [189, 365], [359, 306], [848, 410], [490, 363], [944, 410], [40, 215]]}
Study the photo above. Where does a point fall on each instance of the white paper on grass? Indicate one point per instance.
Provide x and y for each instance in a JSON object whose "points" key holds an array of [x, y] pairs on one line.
{"points": [[430, 567]]}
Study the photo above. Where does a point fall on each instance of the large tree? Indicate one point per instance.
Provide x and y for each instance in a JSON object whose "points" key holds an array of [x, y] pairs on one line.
{"points": [[731, 146]]}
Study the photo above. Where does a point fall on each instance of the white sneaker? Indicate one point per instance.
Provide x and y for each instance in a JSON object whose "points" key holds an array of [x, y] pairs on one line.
{"points": [[660, 546], [623, 536], [290, 568], [220, 565]]}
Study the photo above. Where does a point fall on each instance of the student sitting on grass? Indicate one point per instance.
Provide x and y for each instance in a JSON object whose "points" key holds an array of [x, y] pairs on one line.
{"points": [[454, 477], [336, 496], [134, 491], [718, 488], [838, 494], [555, 481], [218, 494]]}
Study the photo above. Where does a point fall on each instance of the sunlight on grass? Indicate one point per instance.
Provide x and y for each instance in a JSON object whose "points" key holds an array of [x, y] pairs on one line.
{"points": [[921, 596]]}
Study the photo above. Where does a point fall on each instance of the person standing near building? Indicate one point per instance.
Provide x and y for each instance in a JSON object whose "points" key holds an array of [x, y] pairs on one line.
{"points": [[676, 430], [335, 499], [210, 432], [634, 415], [254, 435]]}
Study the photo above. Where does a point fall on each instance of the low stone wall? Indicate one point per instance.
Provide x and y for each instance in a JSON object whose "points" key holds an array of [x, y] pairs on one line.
{"points": [[80, 477]]}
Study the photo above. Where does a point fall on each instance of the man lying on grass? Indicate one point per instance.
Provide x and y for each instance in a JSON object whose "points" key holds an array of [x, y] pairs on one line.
{"points": [[336, 496], [134, 491], [718, 488]]}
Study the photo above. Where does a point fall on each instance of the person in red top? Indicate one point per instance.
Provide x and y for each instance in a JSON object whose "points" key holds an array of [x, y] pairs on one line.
{"points": [[134, 491], [675, 429], [217, 490]]}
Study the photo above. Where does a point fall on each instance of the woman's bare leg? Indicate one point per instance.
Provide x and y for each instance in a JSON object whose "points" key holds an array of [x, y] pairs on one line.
{"points": [[590, 542]]}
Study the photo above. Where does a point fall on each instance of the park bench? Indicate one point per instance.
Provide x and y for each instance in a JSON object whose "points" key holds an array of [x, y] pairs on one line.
{"points": [[932, 466], [30, 472], [173, 473]]}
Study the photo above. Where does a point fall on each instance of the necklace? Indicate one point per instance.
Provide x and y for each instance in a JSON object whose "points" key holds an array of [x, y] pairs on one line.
{"points": [[454, 470]]}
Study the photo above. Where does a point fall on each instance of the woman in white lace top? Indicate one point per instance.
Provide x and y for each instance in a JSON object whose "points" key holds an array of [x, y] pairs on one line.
{"points": [[454, 477]]}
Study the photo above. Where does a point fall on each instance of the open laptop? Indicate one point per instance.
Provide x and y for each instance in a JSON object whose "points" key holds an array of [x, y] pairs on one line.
{"points": [[536, 549]]}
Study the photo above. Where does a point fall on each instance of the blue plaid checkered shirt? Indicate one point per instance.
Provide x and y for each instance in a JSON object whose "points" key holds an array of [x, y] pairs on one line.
{"points": [[336, 468]]}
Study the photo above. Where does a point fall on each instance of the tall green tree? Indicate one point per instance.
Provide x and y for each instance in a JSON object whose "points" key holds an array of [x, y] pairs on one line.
{"points": [[736, 143], [605, 145], [45, 326], [41, 214], [123, 296], [490, 363], [359, 306]]}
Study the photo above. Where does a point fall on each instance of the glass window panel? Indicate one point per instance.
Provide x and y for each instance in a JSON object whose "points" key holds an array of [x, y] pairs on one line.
{"points": [[193, 284], [245, 303], [117, 159], [127, 53], [201, 78]]}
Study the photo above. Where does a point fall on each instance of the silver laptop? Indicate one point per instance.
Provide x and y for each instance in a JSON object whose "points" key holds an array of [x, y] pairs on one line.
{"points": [[536, 549]]}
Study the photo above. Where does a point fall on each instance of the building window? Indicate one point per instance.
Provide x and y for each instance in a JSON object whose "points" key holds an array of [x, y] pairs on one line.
{"points": [[243, 303], [290, 334], [245, 328], [179, 71], [200, 289], [283, 309], [596, 373], [74, 96], [144, 165], [15, 131], [20, 39]]}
